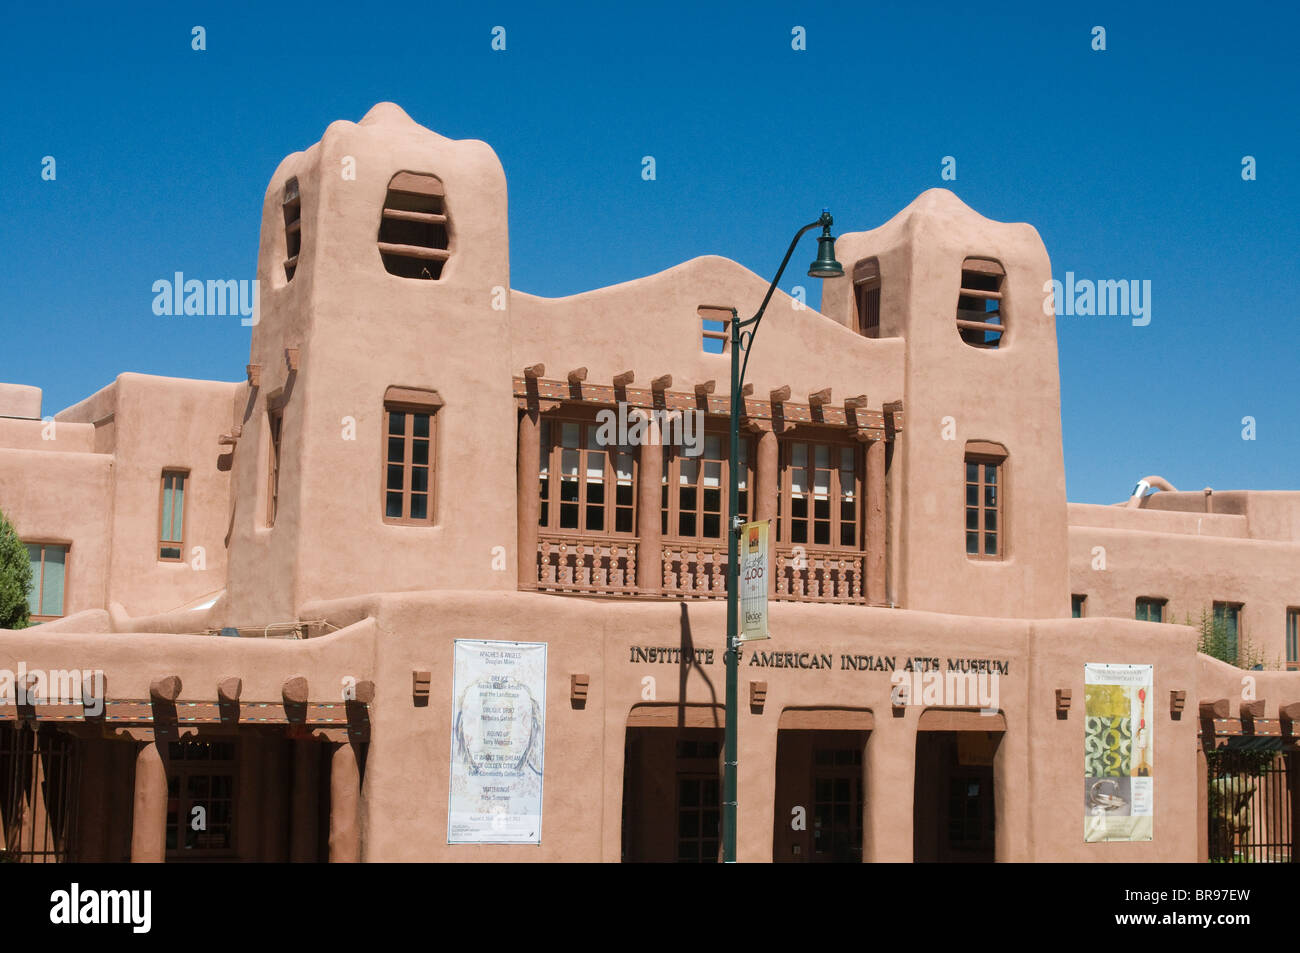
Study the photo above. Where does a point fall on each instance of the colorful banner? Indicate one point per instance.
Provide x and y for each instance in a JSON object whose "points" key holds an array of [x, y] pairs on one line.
{"points": [[753, 582], [1118, 753], [498, 737]]}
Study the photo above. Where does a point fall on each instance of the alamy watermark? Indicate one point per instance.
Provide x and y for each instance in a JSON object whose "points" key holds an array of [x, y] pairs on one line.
{"points": [[621, 428], [35, 686], [1085, 297], [181, 296]]}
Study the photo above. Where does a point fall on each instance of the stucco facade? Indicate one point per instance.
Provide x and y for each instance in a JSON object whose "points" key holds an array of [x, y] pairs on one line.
{"points": [[309, 513]]}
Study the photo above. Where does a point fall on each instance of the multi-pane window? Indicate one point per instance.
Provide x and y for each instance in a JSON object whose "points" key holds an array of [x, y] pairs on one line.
{"points": [[693, 494], [275, 424], [49, 563], [837, 805], [200, 797], [585, 486], [699, 801], [1150, 610], [1228, 615], [171, 531], [979, 303], [1078, 606], [1292, 639], [866, 297], [985, 532], [821, 493], [409, 449]]}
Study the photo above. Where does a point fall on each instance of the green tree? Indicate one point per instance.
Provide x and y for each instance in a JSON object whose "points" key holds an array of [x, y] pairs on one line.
{"points": [[15, 578]]}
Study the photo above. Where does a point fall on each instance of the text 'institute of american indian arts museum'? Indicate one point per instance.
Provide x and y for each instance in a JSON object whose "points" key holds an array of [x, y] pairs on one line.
{"points": [[442, 576]]}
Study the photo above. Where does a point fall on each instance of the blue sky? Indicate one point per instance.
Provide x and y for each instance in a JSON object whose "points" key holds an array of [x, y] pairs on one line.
{"points": [[1127, 161]]}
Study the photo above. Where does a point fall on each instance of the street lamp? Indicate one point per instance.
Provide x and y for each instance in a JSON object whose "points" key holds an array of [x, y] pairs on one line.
{"points": [[742, 338]]}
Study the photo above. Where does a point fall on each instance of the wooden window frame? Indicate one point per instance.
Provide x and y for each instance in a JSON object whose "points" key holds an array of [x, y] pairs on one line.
{"points": [[982, 454], [1292, 646], [550, 459], [1156, 601], [181, 769], [405, 248], [163, 541], [866, 279], [716, 315], [40, 581], [275, 446], [670, 487], [785, 498], [410, 402], [972, 320]]}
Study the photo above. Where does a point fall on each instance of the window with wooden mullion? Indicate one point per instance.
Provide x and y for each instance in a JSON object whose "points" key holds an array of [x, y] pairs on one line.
{"points": [[408, 466], [694, 490], [584, 486], [983, 507], [821, 486]]}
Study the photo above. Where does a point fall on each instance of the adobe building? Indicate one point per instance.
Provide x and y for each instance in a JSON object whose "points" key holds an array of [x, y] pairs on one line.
{"points": [[401, 594]]}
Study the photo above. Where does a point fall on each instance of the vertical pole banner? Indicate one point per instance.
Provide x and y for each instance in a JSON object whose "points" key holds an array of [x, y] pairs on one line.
{"points": [[1118, 753], [498, 736], [753, 582]]}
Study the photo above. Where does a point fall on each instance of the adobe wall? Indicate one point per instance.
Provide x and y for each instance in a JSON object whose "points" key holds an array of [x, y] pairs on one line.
{"points": [[20, 400]]}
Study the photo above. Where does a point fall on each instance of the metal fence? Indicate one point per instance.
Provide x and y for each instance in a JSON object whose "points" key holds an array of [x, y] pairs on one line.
{"points": [[1252, 803], [40, 777]]}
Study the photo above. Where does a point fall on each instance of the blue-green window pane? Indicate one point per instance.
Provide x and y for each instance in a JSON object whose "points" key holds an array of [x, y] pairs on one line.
{"points": [[178, 509], [52, 581], [33, 589]]}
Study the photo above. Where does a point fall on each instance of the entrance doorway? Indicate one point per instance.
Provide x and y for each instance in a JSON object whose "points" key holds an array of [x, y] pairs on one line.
{"points": [[819, 796], [672, 795], [954, 813]]}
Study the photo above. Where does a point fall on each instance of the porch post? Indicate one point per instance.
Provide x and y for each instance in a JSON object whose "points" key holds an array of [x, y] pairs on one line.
{"points": [[649, 556], [767, 488], [345, 812], [875, 526], [528, 502], [149, 818]]}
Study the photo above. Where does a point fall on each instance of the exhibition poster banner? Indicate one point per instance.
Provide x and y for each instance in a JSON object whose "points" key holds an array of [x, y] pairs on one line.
{"points": [[1118, 753], [498, 736], [753, 582]]}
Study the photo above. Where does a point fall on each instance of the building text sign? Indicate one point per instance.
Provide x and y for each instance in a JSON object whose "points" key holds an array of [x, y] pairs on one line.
{"points": [[498, 737], [1118, 753]]}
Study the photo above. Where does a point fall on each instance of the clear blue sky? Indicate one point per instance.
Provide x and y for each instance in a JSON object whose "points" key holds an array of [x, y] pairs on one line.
{"points": [[1127, 161]]}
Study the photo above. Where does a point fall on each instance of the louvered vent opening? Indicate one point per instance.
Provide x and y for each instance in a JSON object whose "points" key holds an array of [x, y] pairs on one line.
{"points": [[866, 297], [292, 227], [979, 306], [413, 234]]}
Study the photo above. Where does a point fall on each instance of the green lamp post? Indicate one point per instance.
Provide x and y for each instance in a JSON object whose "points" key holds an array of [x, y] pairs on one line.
{"points": [[742, 339]]}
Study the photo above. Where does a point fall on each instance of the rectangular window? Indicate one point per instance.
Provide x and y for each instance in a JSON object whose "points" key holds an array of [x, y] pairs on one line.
{"points": [[1293, 639], [985, 529], [410, 445], [1150, 610], [585, 486], [49, 562], [693, 495], [200, 774], [275, 422], [715, 324], [1077, 604], [1228, 615], [171, 532], [866, 297], [821, 490]]}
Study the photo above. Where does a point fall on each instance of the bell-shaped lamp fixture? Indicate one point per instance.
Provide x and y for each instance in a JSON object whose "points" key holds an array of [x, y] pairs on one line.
{"points": [[825, 266]]}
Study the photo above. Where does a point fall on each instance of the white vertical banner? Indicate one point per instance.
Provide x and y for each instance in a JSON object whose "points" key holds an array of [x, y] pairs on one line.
{"points": [[753, 582], [1118, 752], [498, 738]]}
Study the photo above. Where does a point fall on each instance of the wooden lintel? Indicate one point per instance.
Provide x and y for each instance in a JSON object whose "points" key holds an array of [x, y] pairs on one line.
{"points": [[818, 398], [622, 380], [705, 389], [577, 375], [855, 403], [662, 383], [534, 371], [780, 395]]}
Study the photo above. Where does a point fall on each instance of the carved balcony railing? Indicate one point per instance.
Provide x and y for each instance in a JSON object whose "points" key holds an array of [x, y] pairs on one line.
{"points": [[815, 575], [586, 564], [695, 571]]}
